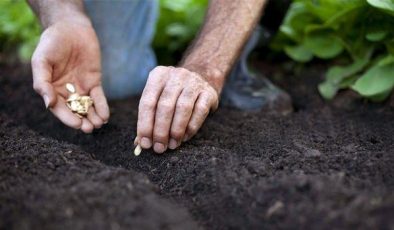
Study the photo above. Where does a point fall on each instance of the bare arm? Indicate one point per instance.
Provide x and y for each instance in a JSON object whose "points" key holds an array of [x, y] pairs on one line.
{"points": [[176, 101], [68, 52], [51, 11], [228, 25]]}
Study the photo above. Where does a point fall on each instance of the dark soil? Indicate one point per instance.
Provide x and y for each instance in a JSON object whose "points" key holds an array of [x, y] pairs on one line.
{"points": [[326, 166]]}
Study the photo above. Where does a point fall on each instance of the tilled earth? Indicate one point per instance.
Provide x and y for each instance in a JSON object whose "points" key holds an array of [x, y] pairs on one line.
{"points": [[326, 166]]}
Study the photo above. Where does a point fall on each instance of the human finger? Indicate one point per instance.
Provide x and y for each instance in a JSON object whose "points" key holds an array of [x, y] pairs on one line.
{"points": [[183, 112], [87, 126], [95, 119], [42, 78], [100, 103], [64, 114], [147, 106], [202, 107], [163, 118]]}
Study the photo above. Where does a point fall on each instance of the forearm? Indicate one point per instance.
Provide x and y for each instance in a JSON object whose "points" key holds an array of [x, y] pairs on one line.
{"points": [[52, 11], [226, 29]]}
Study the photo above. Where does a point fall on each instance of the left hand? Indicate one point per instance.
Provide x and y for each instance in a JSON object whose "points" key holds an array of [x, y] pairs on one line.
{"points": [[173, 107]]}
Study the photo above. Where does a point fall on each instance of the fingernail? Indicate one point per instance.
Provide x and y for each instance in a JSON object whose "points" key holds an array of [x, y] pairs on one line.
{"points": [[159, 148], [173, 144], [46, 101], [146, 143], [135, 141], [185, 138]]}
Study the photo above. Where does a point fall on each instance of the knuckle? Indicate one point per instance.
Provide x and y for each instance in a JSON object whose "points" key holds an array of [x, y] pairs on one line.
{"points": [[184, 106], [144, 131], [192, 128], [159, 70], [183, 71], [203, 108], [189, 93], [177, 133], [147, 104], [166, 94], [160, 136], [214, 95], [165, 105]]}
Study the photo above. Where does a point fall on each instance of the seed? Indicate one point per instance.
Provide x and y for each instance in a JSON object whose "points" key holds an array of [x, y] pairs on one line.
{"points": [[70, 87], [137, 150], [79, 105], [73, 97], [75, 106]]}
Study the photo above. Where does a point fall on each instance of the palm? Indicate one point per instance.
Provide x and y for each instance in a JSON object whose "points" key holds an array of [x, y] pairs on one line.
{"points": [[70, 54]]}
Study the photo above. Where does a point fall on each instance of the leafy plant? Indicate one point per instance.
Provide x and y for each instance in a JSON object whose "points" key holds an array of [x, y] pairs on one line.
{"points": [[178, 23], [359, 30], [19, 29]]}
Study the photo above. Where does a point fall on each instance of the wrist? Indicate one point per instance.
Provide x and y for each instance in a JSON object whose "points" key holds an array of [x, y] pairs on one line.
{"points": [[214, 76], [62, 11]]}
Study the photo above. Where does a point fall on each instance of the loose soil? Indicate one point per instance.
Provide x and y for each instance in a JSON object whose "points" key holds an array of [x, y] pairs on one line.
{"points": [[326, 166]]}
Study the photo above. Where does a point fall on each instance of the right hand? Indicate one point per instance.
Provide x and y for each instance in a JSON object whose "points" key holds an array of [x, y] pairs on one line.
{"points": [[69, 52]]}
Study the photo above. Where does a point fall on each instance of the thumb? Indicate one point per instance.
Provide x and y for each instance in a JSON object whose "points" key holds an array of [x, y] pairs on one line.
{"points": [[42, 75], [47, 93]]}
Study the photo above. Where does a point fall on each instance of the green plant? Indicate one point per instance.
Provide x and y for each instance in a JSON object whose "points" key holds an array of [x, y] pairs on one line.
{"points": [[178, 23], [357, 31], [19, 29]]}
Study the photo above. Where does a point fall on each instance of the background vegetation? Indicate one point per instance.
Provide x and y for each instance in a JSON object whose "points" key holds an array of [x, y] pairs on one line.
{"points": [[178, 23], [19, 29], [356, 35]]}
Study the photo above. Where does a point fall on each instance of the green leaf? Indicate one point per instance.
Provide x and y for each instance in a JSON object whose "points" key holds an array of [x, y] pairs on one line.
{"points": [[337, 74], [377, 80], [323, 42], [389, 59], [347, 12], [296, 18], [177, 29], [386, 5], [299, 53], [327, 90], [376, 36], [348, 81], [339, 77]]}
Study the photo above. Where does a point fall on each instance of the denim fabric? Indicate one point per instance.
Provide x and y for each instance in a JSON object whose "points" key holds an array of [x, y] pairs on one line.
{"points": [[125, 29]]}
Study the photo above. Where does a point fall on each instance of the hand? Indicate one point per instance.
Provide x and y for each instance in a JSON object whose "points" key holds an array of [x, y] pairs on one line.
{"points": [[173, 107], [69, 52]]}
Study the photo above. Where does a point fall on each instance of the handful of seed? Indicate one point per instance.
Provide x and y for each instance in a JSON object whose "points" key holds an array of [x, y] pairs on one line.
{"points": [[79, 105]]}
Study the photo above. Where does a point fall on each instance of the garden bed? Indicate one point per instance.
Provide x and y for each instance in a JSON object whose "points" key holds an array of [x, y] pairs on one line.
{"points": [[326, 166]]}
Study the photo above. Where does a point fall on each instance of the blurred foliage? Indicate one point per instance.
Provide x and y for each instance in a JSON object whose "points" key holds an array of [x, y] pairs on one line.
{"points": [[178, 23], [19, 29], [359, 31]]}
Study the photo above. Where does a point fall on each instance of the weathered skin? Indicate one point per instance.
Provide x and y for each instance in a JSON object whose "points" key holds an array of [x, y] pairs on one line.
{"points": [[175, 101]]}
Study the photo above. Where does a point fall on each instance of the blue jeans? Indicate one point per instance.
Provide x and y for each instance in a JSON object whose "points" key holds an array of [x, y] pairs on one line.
{"points": [[125, 29]]}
